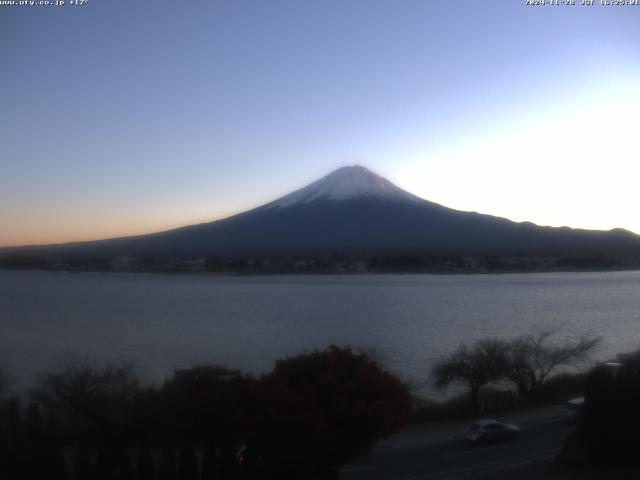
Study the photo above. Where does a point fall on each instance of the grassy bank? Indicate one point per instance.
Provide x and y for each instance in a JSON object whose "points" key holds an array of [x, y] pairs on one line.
{"points": [[494, 401]]}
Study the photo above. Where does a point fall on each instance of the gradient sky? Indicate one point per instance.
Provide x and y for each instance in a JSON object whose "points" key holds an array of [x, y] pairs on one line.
{"points": [[123, 117]]}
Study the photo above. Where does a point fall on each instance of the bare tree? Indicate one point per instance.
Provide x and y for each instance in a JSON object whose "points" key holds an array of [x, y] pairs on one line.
{"points": [[5, 382], [534, 357], [484, 362], [89, 393]]}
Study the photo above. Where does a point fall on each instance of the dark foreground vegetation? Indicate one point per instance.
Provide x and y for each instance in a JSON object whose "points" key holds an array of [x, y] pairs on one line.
{"points": [[525, 365], [607, 431], [310, 414]]}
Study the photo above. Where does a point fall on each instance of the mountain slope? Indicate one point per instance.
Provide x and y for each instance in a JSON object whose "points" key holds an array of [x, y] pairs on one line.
{"points": [[354, 210]]}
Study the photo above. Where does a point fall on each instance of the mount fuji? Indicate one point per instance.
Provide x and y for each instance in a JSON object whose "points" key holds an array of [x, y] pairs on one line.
{"points": [[354, 210]]}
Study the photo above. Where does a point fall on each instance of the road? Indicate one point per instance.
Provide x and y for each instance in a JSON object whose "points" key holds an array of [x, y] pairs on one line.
{"points": [[438, 452]]}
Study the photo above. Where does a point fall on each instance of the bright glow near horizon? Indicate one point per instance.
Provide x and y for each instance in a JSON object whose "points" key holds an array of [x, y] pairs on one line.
{"points": [[575, 163]]}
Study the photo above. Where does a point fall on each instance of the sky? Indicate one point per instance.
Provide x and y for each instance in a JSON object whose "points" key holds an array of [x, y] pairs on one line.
{"points": [[124, 117]]}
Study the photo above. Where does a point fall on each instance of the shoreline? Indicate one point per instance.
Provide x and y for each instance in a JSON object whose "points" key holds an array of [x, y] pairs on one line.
{"points": [[326, 273]]}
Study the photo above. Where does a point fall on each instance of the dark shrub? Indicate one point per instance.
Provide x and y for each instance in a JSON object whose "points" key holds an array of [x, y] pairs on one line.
{"points": [[328, 406], [611, 419], [204, 404]]}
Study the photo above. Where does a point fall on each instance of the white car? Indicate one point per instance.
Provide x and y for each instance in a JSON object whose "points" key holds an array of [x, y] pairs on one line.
{"points": [[489, 431], [573, 409]]}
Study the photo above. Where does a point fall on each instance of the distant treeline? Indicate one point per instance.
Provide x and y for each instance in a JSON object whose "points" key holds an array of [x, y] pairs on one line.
{"points": [[335, 263]]}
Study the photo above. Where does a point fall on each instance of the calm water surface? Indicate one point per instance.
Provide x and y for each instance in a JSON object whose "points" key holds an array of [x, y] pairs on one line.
{"points": [[163, 322]]}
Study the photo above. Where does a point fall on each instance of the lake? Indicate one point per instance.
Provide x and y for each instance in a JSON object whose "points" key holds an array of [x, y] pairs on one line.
{"points": [[163, 322]]}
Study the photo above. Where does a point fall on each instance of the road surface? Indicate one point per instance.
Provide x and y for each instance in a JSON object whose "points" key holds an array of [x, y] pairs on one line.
{"points": [[438, 452]]}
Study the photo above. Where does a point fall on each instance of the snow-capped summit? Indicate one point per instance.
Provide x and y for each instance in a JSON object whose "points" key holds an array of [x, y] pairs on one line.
{"points": [[343, 184]]}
